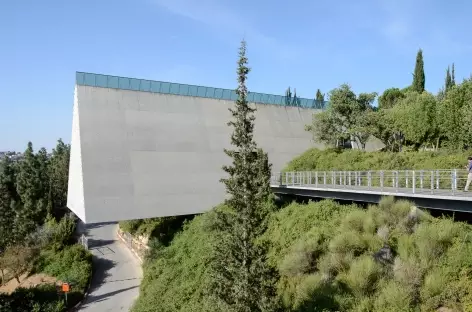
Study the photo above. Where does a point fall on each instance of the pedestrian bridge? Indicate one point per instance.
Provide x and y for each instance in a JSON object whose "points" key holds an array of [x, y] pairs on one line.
{"points": [[433, 189]]}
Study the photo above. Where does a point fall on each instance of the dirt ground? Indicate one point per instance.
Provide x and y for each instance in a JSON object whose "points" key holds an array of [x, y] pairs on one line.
{"points": [[27, 282]]}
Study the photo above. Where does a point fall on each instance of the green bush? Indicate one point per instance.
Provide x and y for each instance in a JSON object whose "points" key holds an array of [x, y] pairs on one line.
{"points": [[43, 298], [73, 264], [176, 280], [161, 229], [363, 276], [335, 159]]}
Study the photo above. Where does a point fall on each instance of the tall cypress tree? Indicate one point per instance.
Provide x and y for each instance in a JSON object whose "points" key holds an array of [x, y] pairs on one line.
{"points": [[295, 99], [453, 76], [448, 81], [288, 97], [419, 78], [242, 281], [319, 99]]}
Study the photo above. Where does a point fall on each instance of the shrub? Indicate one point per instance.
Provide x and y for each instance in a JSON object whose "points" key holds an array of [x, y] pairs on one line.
{"points": [[288, 225], [162, 229], [432, 240], [72, 264], [42, 298], [302, 259], [393, 297], [335, 159], [363, 275], [348, 242]]}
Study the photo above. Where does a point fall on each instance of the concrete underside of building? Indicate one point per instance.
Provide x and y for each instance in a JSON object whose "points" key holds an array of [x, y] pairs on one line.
{"points": [[138, 154]]}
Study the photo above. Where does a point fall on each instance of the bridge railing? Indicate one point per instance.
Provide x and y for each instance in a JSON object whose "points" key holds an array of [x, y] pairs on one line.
{"points": [[440, 181]]}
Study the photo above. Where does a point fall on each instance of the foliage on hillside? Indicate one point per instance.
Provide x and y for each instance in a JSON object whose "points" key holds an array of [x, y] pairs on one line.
{"points": [[176, 279], [36, 236], [30, 189], [336, 159], [387, 258], [330, 257], [48, 251], [160, 230]]}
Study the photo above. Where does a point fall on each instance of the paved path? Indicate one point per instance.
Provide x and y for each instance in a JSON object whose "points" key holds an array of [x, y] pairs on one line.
{"points": [[117, 272]]}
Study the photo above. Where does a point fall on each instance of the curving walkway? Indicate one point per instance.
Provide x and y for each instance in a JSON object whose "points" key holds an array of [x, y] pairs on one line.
{"points": [[117, 272]]}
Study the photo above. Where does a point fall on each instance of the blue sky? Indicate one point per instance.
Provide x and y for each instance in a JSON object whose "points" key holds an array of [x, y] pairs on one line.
{"points": [[306, 44]]}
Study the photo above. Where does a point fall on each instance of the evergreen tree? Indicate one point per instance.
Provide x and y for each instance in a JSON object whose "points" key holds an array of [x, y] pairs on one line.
{"points": [[59, 175], [8, 200], [288, 97], [453, 76], [30, 189], [419, 78], [242, 281], [295, 99], [448, 81], [319, 99]]}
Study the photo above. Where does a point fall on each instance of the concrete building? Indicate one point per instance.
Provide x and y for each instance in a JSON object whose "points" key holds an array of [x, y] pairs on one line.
{"points": [[144, 149]]}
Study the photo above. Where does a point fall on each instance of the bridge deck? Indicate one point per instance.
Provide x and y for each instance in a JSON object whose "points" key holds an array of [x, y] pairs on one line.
{"points": [[435, 189], [385, 191]]}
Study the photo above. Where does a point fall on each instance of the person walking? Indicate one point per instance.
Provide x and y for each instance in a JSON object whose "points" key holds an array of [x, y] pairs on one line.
{"points": [[469, 175]]}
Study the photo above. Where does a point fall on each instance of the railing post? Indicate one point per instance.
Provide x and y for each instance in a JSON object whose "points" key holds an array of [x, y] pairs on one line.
{"points": [[421, 178], [369, 179], [455, 179], [413, 178], [452, 181], [316, 178], [396, 180], [293, 177], [280, 178], [324, 178], [406, 178], [437, 179], [381, 180], [349, 174], [432, 181]]}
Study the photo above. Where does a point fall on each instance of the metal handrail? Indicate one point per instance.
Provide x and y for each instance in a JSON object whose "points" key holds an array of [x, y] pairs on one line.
{"points": [[83, 240], [436, 181]]}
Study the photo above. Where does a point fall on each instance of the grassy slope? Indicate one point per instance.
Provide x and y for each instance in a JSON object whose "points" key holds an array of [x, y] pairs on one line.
{"points": [[331, 159]]}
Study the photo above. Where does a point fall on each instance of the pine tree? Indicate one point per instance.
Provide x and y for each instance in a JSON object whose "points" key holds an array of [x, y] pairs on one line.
{"points": [[419, 78], [319, 99], [242, 281], [30, 189], [8, 199], [288, 97]]}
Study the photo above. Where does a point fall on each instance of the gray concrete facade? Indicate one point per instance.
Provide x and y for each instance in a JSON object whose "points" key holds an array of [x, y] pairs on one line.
{"points": [[140, 154]]}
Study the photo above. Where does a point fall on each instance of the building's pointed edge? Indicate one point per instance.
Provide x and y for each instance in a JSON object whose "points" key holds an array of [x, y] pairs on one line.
{"points": [[75, 191]]}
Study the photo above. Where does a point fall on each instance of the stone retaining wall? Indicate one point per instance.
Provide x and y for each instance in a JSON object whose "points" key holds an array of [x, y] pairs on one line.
{"points": [[138, 245]]}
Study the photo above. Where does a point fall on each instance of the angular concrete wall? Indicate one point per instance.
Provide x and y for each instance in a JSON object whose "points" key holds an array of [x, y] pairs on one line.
{"points": [[141, 154]]}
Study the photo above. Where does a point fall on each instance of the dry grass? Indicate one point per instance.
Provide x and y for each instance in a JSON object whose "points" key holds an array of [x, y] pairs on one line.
{"points": [[27, 281]]}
